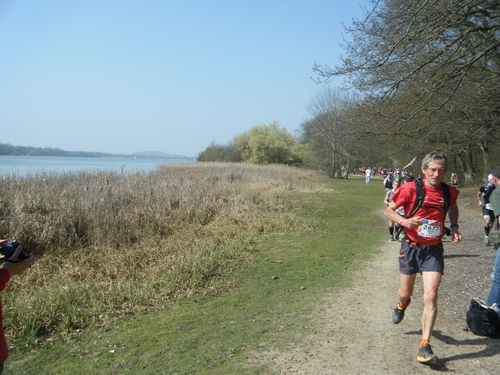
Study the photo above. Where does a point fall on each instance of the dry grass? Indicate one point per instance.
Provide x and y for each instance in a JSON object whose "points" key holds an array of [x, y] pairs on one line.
{"points": [[108, 245]]}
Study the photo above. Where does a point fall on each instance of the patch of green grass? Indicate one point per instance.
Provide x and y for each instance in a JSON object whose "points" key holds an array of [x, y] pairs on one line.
{"points": [[269, 304]]}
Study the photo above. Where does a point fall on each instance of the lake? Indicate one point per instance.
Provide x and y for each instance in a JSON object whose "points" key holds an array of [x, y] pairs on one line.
{"points": [[22, 166]]}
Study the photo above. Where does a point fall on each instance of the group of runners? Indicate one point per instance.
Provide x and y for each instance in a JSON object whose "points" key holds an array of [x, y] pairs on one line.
{"points": [[381, 171]]}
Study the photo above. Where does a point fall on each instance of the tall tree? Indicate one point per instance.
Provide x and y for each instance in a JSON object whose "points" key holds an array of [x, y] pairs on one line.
{"points": [[332, 133], [438, 60]]}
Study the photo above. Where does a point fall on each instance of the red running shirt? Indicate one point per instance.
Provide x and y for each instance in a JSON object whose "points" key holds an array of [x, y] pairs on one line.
{"points": [[432, 211]]}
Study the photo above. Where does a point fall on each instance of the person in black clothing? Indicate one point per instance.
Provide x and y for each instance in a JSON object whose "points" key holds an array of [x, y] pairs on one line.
{"points": [[393, 226], [388, 182], [483, 197]]}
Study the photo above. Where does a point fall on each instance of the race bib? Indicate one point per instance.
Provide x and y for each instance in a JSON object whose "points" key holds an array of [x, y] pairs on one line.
{"points": [[430, 229], [489, 206]]}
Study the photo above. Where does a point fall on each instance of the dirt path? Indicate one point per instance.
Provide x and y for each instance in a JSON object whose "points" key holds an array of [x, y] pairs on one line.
{"points": [[355, 333]]}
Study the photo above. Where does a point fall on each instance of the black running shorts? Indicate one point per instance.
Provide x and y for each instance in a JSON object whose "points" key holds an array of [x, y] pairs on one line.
{"points": [[490, 214], [420, 258]]}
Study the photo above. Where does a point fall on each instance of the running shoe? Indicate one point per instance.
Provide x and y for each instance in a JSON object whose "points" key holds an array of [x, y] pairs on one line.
{"points": [[426, 356], [391, 238], [486, 240], [399, 314]]}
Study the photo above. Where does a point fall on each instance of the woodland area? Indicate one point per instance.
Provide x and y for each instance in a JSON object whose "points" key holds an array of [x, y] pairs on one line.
{"points": [[418, 75]]}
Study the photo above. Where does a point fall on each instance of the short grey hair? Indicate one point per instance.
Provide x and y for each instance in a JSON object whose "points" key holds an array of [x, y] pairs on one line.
{"points": [[496, 172], [437, 157]]}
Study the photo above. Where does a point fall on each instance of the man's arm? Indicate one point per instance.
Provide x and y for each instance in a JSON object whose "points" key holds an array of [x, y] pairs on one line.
{"points": [[479, 197], [391, 214], [386, 198], [453, 216]]}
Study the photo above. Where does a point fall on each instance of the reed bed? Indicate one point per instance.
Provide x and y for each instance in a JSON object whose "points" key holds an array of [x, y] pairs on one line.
{"points": [[110, 244]]}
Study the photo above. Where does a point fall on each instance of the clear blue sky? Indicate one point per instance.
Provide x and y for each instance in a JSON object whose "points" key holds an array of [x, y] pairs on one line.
{"points": [[124, 76]]}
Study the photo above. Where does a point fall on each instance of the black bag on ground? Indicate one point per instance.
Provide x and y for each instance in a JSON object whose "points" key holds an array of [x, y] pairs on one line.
{"points": [[482, 320]]}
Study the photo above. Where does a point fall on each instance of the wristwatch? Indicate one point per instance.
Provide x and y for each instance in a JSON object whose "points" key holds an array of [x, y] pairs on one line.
{"points": [[454, 225]]}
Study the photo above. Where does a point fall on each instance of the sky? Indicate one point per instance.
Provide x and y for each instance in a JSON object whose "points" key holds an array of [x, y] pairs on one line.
{"points": [[125, 76]]}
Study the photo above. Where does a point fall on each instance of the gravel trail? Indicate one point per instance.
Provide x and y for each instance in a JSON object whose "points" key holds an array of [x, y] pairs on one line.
{"points": [[354, 333]]}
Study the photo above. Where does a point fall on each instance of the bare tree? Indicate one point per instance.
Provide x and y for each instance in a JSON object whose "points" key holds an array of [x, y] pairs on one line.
{"points": [[437, 62], [330, 133]]}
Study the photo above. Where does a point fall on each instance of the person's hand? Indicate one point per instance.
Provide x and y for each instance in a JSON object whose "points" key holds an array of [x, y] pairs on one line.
{"points": [[20, 265], [456, 237], [413, 222]]}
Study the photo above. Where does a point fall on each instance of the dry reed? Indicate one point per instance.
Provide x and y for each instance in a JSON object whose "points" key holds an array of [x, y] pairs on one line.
{"points": [[108, 244]]}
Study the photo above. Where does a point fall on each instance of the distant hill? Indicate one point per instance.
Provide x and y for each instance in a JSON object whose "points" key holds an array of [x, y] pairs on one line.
{"points": [[160, 154], [8, 149]]}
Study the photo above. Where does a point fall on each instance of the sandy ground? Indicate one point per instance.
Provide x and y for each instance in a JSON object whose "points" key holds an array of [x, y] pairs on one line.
{"points": [[354, 331]]}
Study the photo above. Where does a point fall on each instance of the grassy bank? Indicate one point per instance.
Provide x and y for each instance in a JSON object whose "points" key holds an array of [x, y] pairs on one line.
{"points": [[203, 296]]}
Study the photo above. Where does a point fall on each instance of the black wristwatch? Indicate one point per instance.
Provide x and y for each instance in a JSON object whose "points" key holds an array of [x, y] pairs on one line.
{"points": [[454, 225]]}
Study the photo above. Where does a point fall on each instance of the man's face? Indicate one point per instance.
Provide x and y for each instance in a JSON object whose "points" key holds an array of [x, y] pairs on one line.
{"points": [[434, 174]]}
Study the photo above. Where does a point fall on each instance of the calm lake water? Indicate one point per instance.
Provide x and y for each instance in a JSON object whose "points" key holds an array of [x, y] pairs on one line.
{"points": [[22, 166]]}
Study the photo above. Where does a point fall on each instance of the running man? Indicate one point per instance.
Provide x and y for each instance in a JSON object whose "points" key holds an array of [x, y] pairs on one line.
{"points": [[421, 248], [483, 197], [368, 173], [387, 200]]}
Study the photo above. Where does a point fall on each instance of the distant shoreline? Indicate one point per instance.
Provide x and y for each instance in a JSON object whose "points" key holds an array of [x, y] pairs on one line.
{"points": [[10, 150], [128, 156]]}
